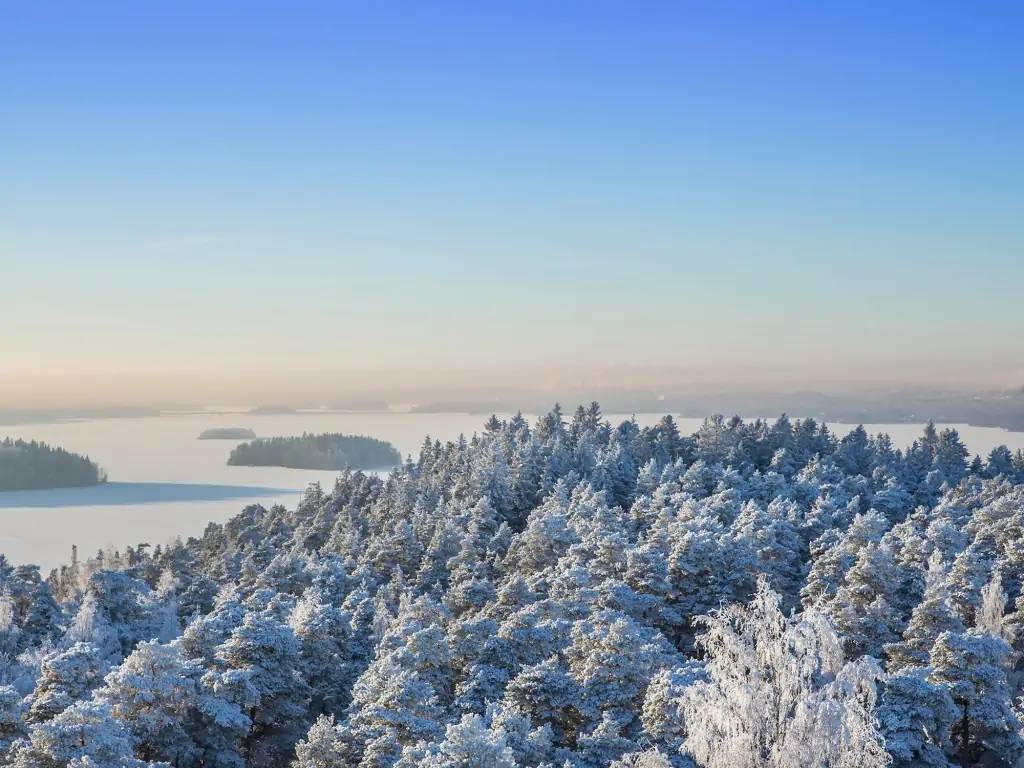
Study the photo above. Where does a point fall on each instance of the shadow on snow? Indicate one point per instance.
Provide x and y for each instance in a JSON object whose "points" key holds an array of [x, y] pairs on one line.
{"points": [[109, 494]]}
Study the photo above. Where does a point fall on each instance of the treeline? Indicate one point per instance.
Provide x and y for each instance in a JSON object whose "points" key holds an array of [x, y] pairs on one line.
{"points": [[227, 433], [564, 594], [327, 451], [33, 465]]}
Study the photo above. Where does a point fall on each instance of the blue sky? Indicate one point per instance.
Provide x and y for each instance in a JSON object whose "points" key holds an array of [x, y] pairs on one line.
{"points": [[196, 186]]}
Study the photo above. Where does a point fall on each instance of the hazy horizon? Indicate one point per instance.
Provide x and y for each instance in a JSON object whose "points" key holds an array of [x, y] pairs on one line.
{"points": [[314, 388]]}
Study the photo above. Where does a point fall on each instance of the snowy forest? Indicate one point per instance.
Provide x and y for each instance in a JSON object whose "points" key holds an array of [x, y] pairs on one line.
{"points": [[564, 594]]}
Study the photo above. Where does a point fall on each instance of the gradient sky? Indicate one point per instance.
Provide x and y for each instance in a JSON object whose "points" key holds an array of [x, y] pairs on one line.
{"points": [[191, 186]]}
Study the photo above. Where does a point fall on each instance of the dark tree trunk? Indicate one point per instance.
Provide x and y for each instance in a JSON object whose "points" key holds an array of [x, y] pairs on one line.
{"points": [[965, 735]]}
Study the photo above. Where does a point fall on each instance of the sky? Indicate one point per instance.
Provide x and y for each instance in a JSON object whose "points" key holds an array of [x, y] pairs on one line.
{"points": [[375, 186]]}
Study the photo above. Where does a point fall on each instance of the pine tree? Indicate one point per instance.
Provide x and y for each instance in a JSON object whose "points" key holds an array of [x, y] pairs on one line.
{"points": [[85, 734], [916, 717], [262, 674], [12, 719], [662, 712], [933, 616], [972, 668], [65, 678], [862, 610], [603, 744], [322, 747], [990, 614], [323, 633], [968, 575], [611, 659], [466, 744], [649, 758], [392, 708], [92, 625], [551, 696], [155, 693]]}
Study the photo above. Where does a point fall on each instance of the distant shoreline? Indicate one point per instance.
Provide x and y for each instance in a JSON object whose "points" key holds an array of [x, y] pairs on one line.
{"points": [[954, 410]]}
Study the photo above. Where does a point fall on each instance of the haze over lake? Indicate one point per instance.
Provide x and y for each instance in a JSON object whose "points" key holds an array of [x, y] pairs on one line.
{"points": [[165, 483]]}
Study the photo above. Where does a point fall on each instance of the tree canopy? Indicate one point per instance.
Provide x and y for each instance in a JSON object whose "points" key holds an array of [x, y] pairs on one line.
{"points": [[568, 593]]}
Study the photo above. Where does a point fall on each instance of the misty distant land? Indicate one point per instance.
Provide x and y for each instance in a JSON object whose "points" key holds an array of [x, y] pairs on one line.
{"points": [[904, 405], [331, 451], [358, 405], [877, 404], [34, 466], [227, 433]]}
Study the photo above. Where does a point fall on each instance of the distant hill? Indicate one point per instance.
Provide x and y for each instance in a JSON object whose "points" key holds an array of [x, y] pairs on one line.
{"points": [[227, 433], [327, 451], [895, 405], [32, 465], [272, 410], [46, 416]]}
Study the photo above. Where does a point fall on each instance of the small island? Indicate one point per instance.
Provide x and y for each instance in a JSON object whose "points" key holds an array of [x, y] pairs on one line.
{"points": [[327, 451], [30, 466], [227, 433]]}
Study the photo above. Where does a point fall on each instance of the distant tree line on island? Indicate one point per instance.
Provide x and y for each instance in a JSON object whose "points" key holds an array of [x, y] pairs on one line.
{"points": [[33, 465], [327, 451], [227, 433]]}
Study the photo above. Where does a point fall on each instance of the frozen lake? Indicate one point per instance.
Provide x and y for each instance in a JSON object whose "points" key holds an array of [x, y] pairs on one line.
{"points": [[165, 483]]}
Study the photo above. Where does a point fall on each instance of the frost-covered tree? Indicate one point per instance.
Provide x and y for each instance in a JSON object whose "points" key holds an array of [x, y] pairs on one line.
{"points": [[612, 659], [862, 609], [836, 552], [85, 734], [916, 717], [967, 577], [929, 619], [91, 625], [393, 708], [66, 677], [550, 695], [322, 746], [155, 693], [971, 666], [780, 693], [323, 631], [261, 673], [466, 744], [12, 719], [649, 758], [990, 616], [662, 713]]}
